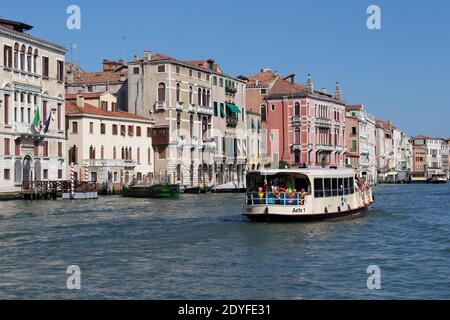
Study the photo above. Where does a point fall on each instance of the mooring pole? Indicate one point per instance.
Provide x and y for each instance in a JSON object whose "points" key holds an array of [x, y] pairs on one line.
{"points": [[72, 181]]}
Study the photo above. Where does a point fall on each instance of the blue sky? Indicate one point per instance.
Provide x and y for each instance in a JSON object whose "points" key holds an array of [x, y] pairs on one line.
{"points": [[400, 73]]}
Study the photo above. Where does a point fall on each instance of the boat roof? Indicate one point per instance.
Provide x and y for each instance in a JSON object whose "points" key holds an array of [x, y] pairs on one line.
{"points": [[311, 172]]}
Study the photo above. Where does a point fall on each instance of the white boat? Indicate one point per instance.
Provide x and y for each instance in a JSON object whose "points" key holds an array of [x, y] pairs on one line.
{"points": [[438, 178], [305, 194]]}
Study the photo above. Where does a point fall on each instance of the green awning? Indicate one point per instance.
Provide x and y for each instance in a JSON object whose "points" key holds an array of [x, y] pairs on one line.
{"points": [[233, 108]]}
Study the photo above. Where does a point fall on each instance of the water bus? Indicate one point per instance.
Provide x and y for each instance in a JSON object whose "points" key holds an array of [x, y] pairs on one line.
{"points": [[305, 194], [438, 178]]}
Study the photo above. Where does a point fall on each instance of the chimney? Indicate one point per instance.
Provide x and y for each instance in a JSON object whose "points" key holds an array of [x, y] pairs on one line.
{"points": [[211, 64], [337, 92], [309, 84], [147, 56], [106, 65], [290, 78], [80, 100]]}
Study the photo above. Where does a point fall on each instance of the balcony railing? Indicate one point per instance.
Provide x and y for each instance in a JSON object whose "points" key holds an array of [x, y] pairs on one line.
{"points": [[26, 130], [204, 110], [109, 163], [323, 122], [160, 106], [232, 122], [230, 90], [296, 120]]}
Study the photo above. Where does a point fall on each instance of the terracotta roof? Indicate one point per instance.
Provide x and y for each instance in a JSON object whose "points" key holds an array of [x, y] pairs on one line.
{"points": [[282, 86], [26, 35], [383, 124], [86, 95], [205, 64], [265, 77], [72, 109], [98, 77], [354, 107]]}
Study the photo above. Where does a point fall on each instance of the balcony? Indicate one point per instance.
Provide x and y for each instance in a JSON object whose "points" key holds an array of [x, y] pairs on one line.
{"points": [[179, 105], [204, 110], [160, 106], [191, 107], [230, 90], [325, 147], [26, 130], [296, 120], [109, 163], [232, 122], [323, 122]]}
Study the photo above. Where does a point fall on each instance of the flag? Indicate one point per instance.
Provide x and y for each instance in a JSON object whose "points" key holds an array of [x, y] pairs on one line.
{"points": [[47, 124], [36, 118]]}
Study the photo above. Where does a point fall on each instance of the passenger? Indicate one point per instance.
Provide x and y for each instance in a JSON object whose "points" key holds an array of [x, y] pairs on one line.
{"points": [[261, 196]]}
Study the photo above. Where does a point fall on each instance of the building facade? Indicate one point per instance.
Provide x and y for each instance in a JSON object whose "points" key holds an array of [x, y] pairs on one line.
{"points": [[32, 131], [114, 146], [430, 155], [361, 142], [200, 132]]}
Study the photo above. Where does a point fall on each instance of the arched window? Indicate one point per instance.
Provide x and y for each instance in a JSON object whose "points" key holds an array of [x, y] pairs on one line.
{"points": [[178, 92], [297, 156], [204, 98], [16, 56], [263, 113], [35, 60], [199, 96], [22, 58], [191, 100], [208, 98], [73, 153], [102, 153], [138, 155], [297, 109], [191, 125], [91, 153], [178, 123], [130, 155], [149, 155], [204, 127], [161, 92], [297, 136], [37, 170], [18, 170], [29, 58], [114, 153], [123, 153]]}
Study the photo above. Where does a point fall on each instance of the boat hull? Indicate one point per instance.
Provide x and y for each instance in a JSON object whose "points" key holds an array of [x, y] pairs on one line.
{"points": [[307, 217], [157, 191]]}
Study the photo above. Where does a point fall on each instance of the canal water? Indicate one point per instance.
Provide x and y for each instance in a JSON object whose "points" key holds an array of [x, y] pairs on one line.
{"points": [[199, 247]]}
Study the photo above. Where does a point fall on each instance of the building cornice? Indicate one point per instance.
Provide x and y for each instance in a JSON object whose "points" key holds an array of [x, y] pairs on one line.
{"points": [[42, 44]]}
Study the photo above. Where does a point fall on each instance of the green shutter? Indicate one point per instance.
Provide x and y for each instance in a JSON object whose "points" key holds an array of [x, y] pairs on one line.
{"points": [[222, 110], [215, 109]]}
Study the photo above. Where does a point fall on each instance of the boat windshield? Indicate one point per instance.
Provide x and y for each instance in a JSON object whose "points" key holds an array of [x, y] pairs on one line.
{"points": [[280, 189]]}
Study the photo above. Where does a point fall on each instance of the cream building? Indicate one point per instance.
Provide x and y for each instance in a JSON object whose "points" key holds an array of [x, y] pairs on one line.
{"points": [[31, 79], [115, 146], [199, 135]]}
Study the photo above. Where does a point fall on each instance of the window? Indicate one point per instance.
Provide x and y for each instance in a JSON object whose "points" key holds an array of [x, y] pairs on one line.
{"points": [[177, 69], [102, 128], [149, 156], [297, 156], [263, 91], [334, 186], [136, 70], [45, 148], [220, 82], [138, 131], [60, 149], [263, 113], [91, 127], [354, 145], [318, 188], [58, 115], [353, 130], [36, 148], [123, 130], [327, 187], [45, 174], [59, 174], [149, 132], [178, 92], [6, 109], [44, 110], [190, 72], [114, 129], [6, 174], [199, 75], [102, 153], [45, 67], [215, 109], [91, 153], [6, 147], [161, 92], [59, 70], [22, 58], [297, 109], [215, 80], [162, 68], [273, 107], [16, 56], [113, 106], [340, 186], [351, 182], [346, 186], [17, 147], [75, 127], [130, 130], [7, 56], [191, 99], [104, 105], [162, 152], [35, 59], [73, 154]]}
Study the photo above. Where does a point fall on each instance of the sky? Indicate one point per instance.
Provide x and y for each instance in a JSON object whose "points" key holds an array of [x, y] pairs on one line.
{"points": [[400, 73]]}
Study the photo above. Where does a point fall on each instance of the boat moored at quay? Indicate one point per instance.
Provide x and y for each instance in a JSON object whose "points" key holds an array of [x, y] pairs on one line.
{"points": [[305, 194]]}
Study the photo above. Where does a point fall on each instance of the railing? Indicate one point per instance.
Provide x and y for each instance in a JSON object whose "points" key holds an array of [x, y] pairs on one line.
{"points": [[204, 110], [296, 120], [230, 90], [45, 187], [232, 122], [281, 199], [160, 105]]}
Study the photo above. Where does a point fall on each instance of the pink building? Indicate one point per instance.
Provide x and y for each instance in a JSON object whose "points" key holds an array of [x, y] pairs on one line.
{"points": [[305, 127]]}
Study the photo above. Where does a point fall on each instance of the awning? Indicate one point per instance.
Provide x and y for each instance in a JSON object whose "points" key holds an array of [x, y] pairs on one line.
{"points": [[233, 108]]}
